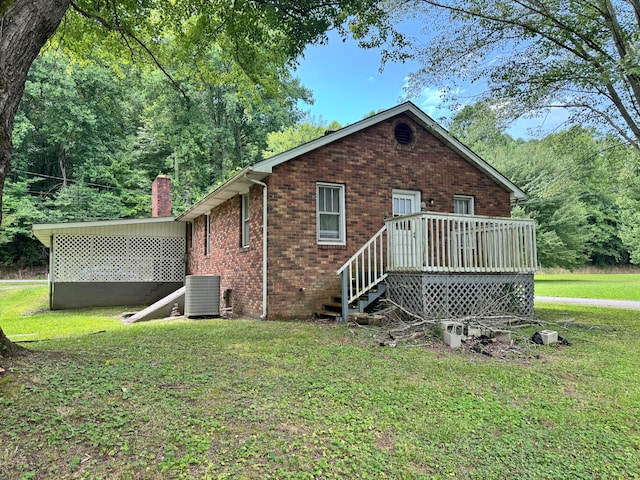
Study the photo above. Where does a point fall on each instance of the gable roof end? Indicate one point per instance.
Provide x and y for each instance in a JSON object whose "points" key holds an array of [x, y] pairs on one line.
{"points": [[264, 168], [418, 115]]}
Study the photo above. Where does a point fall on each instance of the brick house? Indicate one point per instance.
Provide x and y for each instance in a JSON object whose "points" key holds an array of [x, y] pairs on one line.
{"points": [[391, 200]]}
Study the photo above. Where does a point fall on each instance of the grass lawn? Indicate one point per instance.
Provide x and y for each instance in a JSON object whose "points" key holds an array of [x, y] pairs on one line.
{"points": [[25, 315], [611, 286], [251, 399]]}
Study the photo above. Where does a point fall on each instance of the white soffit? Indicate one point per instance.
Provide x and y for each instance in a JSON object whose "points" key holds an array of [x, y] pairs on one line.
{"points": [[238, 184]]}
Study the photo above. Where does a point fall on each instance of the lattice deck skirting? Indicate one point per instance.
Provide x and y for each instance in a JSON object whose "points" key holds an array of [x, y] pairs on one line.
{"points": [[462, 295], [102, 258]]}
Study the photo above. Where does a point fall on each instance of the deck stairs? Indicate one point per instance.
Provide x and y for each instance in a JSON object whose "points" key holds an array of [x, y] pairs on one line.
{"points": [[361, 278], [333, 309]]}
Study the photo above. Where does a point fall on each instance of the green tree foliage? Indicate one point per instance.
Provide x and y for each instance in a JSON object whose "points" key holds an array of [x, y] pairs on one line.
{"points": [[259, 39], [628, 204], [17, 248], [70, 122], [89, 141], [290, 137], [572, 178], [218, 127], [535, 55]]}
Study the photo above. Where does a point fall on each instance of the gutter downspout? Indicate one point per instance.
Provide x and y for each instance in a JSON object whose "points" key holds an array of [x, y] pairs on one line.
{"points": [[264, 244]]}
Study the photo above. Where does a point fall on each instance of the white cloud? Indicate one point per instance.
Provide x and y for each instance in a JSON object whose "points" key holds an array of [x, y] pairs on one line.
{"points": [[432, 101]]}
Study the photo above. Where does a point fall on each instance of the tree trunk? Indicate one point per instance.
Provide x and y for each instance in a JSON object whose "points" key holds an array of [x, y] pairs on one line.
{"points": [[25, 26], [8, 348]]}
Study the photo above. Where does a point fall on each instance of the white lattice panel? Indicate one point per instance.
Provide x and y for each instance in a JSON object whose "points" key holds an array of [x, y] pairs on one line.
{"points": [[457, 296], [91, 258]]}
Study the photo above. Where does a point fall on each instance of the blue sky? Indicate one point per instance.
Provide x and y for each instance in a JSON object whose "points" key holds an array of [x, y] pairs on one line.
{"points": [[347, 85]]}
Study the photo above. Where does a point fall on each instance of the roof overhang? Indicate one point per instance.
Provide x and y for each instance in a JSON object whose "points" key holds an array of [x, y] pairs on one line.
{"points": [[44, 231], [236, 185]]}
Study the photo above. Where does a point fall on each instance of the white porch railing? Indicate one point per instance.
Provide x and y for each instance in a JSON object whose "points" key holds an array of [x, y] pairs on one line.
{"points": [[365, 269], [435, 242], [443, 243]]}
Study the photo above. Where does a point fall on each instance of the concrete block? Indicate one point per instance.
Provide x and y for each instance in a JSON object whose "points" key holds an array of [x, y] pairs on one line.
{"points": [[474, 331], [452, 333], [549, 336], [502, 337]]}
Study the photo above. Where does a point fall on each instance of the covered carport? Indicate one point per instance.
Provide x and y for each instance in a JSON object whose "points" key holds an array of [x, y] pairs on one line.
{"points": [[113, 262]]}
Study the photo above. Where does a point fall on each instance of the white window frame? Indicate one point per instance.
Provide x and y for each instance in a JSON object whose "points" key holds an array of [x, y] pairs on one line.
{"points": [[207, 235], [342, 223], [413, 195], [468, 199], [244, 216]]}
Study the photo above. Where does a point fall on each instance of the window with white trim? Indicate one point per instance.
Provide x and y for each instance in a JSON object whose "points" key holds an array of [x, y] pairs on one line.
{"points": [[245, 219], [463, 204], [330, 213], [207, 234]]}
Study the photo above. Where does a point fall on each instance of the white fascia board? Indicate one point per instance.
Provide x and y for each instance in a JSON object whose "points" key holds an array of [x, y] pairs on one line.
{"points": [[43, 231], [516, 193], [236, 185]]}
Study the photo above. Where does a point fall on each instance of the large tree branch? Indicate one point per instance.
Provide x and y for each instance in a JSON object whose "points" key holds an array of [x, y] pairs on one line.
{"points": [[127, 33], [612, 23], [533, 18], [607, 118]]}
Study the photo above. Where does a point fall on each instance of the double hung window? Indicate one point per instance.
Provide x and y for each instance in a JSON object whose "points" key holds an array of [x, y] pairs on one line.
{"points": [[463, 204], [330, 213], [245, 220]]}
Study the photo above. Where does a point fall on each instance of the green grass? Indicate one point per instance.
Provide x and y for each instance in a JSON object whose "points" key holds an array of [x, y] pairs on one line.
{"points": [[25, 315], [609, 286], [251, 399]]}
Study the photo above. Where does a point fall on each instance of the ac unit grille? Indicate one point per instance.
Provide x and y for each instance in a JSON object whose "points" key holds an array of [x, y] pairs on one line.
{"points": [[202, 296]]}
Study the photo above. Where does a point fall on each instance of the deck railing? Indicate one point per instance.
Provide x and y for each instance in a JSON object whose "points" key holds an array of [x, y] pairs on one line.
{"points": [[434, 242], [365, 269], [442, 243]]}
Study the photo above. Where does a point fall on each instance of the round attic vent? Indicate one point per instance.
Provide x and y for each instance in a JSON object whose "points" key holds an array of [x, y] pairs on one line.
{"points": [[403, 134]]}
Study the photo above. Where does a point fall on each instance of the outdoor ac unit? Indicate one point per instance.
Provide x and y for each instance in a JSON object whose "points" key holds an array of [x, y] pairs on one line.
{"points": [[202, 296]]}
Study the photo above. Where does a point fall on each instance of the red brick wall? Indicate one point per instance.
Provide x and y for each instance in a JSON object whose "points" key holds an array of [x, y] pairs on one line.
{"points": [[240, 268], [161, 197], [370, 164]]}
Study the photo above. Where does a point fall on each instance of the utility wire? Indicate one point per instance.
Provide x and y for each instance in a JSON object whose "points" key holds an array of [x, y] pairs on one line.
{"points": [[44, 175]]}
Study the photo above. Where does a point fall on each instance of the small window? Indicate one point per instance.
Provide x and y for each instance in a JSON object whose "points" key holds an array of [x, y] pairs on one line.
{"points": [[244, 208], [330, 213], [207, 235], [463, 204]]}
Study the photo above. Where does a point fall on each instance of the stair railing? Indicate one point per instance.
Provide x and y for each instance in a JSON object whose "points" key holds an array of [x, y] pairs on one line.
{"points": [[364, 270]]}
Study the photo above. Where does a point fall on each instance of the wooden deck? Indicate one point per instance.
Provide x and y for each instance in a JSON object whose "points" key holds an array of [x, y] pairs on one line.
{"points": [[441, 243], [432, 242]]}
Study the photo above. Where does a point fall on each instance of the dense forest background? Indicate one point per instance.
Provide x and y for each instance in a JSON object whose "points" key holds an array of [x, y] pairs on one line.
{"points": [[89, 139]]}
